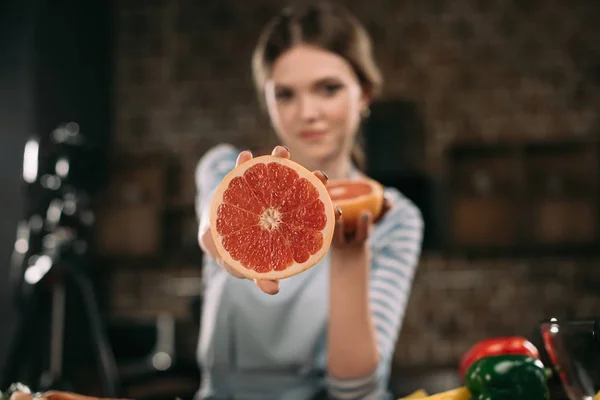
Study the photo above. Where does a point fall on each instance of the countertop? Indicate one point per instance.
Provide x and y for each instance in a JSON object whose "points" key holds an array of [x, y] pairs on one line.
{"points": [[406, 380]]}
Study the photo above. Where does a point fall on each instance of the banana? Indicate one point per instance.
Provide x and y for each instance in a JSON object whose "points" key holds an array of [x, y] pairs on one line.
{"points": [[419, 394], [461, 393]]}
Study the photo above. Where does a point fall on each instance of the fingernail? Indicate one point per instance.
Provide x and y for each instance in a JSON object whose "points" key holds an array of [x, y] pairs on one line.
{"points": [[339, 210], [325, 174], [250, 151], [287, 148]]}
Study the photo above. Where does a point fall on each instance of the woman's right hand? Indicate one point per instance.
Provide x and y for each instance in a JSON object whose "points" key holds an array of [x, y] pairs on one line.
{"points": [[207, 243]]}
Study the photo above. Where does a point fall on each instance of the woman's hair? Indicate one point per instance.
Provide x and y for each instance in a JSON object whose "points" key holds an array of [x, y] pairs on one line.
{"points": [[325, 25]]}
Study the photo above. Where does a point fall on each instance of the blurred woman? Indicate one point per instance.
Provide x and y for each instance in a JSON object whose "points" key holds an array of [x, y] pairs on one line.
{"points": [[330, 331]]}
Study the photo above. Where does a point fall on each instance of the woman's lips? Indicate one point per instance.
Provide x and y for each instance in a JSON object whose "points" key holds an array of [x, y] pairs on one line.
{"points": [[312, 134]]}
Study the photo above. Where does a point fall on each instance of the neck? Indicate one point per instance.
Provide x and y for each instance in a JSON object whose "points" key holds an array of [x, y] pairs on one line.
{"points": [[338, 168]]}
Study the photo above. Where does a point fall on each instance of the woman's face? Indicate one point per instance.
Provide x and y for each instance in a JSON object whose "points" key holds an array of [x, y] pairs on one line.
{"points": [[315, 101]]}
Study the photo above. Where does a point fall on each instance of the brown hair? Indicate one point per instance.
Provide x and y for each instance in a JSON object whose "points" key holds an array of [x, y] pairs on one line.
{"points": [[326, 25]]}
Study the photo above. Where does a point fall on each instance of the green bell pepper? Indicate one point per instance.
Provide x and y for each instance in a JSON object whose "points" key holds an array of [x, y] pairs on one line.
{"points": [[507, 377]]}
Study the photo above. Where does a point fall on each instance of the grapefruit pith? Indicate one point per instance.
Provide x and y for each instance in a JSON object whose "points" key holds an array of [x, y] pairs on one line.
{"points": [[354, 197], [271, 218]]}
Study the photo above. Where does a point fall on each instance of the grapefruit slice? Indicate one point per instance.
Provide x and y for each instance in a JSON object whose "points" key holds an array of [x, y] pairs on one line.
{"points": [[271, 218], [355, 197]]}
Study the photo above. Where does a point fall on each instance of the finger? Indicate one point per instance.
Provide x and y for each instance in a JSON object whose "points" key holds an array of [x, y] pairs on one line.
{"points": [[208, 246], [230, 270], [281, 151], [322, 176], [339, 239], [362, 228], [21, 396], [268, 286], [244, 156], [207, 243], [338, 213]]}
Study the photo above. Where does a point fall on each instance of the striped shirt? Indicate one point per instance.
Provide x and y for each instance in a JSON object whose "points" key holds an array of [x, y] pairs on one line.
{"points": [[395, 250]]}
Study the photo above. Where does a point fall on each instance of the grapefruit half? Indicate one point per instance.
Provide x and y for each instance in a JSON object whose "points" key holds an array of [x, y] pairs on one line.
{"points": [[271, 218], [354, 196]]}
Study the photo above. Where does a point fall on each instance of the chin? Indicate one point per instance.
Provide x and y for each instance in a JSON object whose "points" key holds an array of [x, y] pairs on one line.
{"points": [[323, 155], [317, 151]]}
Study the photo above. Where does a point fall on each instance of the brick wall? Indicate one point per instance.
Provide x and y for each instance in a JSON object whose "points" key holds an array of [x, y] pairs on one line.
{"points": [[479, 69]]}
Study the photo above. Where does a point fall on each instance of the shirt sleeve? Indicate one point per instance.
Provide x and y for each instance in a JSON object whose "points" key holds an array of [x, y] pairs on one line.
{"points": [[393, 264], [210, 171]]}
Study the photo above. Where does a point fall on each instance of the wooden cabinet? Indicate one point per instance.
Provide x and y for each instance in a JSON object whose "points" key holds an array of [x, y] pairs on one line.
{"points": [[484, 197], [132, 231], [562, 196], [563, 222], [129, 212], [484, 222], [134, 180], [484, 172], [540, 197]]}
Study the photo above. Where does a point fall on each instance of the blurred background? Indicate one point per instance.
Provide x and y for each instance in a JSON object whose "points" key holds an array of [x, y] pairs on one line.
{"points": [[489, 122]]}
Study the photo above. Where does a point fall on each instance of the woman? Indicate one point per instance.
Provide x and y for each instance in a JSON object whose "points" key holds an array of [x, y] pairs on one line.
{"points": [[333, 328]]}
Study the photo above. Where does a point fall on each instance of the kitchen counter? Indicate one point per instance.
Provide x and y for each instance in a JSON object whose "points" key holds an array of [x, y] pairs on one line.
{"points": [[405, 380], [134, 339]]}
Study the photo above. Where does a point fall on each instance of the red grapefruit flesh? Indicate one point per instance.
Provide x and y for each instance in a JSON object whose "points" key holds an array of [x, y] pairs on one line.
{"points": [[354, 197], [271, 218]]}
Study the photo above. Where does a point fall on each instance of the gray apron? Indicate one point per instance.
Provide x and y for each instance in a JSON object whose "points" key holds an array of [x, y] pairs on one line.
{"points": [[254, 346]]}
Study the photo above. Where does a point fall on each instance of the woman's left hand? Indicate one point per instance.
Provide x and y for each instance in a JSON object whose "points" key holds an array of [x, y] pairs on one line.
{"points": [[359, 238]]}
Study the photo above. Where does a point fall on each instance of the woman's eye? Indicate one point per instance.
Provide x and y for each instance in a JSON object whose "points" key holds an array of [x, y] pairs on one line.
{"points": [[283, 95], [331, 88]]}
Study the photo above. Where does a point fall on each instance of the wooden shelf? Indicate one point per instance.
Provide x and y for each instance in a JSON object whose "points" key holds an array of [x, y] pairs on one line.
{"points": [[524, 198]]}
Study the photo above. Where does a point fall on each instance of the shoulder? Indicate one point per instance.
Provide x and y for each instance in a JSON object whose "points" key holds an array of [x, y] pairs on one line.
{"points": [[218, 160], [402, 210], [403, 215], [219, 154]]}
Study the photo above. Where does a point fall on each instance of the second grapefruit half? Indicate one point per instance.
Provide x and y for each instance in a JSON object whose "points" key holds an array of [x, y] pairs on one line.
{"points": [[354, 196], [271, 218]]}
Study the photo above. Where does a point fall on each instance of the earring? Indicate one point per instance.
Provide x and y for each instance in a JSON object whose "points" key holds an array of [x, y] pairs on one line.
{"points": [[366, 112]]}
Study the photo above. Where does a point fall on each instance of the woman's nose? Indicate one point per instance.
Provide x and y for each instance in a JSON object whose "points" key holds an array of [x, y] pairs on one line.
{"points": [[309, 108]]}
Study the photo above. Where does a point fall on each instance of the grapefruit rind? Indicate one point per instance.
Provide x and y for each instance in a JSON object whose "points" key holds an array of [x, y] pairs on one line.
{"points": [[296, 267], [353, 207]]}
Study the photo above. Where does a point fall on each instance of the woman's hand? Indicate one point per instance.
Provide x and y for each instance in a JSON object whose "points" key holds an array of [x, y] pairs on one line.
{"points": [[208, 245], [359, 238]]}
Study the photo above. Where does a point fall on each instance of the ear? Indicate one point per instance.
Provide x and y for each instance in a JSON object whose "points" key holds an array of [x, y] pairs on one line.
{"points": [[366, 97]]}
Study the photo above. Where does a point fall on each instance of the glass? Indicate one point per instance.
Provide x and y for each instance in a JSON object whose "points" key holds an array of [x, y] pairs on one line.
{"points": [[574, 348]]}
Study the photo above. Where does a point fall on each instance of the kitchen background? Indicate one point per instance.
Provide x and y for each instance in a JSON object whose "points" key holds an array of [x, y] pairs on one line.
{"points": [[489, 122]]}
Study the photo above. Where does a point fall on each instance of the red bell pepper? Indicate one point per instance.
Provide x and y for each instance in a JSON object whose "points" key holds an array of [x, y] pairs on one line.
{"points": [[497, 346]]}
